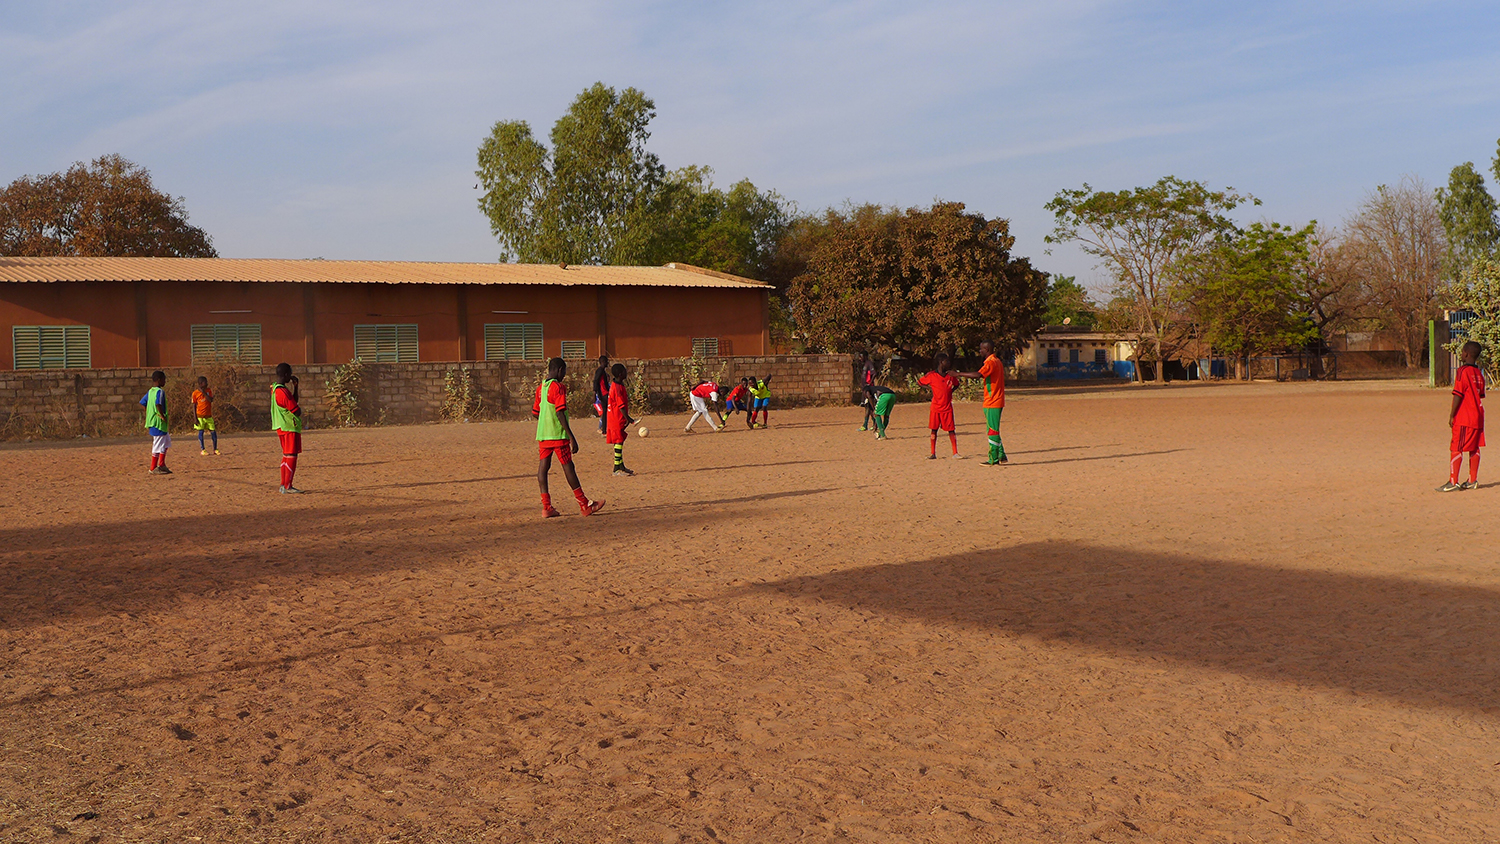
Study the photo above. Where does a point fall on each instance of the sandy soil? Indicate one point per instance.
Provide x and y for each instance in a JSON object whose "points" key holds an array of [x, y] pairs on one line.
{"points": [[1191, 614]]}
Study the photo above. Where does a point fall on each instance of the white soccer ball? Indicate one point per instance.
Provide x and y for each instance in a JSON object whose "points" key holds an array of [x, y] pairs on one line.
{"points": [[1067, 320], [641, 431]]}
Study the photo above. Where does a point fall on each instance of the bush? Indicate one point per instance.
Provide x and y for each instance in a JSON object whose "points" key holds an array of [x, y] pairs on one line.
{"points": [[461, 400], [345, 394], [233, 389]]}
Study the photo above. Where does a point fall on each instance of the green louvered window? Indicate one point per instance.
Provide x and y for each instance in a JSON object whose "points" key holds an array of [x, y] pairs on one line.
{"points": [[386, 343], [513, 341], [51, 346], [705, 347], [575, 349], [238, 341]]}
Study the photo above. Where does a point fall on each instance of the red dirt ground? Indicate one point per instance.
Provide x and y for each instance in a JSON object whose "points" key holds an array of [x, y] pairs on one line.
{"points": [[1191, 614]]}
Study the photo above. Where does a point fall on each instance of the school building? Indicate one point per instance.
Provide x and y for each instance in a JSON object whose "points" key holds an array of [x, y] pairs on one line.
{"points": [[96, 313], [1064, 352]]}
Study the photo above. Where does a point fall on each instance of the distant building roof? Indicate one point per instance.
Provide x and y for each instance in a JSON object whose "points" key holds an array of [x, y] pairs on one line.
{"points": [[353, 272]]}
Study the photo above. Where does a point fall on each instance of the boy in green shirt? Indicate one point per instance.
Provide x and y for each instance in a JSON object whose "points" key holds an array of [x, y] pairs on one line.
{"points": [[155, 402], [555, 436]]}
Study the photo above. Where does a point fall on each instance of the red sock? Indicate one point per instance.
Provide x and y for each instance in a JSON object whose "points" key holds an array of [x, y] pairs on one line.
{"points": [[953, 438], [934, 444], [154, 457], [288, 469], [583, 500], [1473, 467], [546, 501], [1455, 462]]}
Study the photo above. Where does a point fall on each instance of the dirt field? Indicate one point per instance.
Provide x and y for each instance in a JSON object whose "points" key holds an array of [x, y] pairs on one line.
{"points": [[1191, 614]]}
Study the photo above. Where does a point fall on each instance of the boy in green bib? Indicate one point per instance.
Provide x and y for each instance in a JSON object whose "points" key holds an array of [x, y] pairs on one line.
{"points": [[155, 402], [555, 436]]}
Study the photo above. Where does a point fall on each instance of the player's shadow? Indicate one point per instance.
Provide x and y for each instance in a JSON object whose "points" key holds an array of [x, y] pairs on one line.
{"points": [[1420, 642], [1020, 457], [699, 469], [743, 499]]}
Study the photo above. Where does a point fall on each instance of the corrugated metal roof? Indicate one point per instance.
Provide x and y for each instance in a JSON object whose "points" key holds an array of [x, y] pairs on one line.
{"points": [[350, 272]]}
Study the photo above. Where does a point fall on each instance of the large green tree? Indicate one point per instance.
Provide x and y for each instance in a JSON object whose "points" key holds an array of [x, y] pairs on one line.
{"points": [[1068, 303], [1142, 235], [735, 231], [876, 278], [597, 195], [1467, 212], [1246, 292], [584, 201], [106, 208], [1478, 290]]}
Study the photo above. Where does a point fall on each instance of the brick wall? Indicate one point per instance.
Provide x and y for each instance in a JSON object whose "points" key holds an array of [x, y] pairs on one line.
{"points": [[67, 403]]}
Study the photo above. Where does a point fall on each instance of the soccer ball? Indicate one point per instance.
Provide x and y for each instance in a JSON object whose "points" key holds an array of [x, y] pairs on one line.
{"points": [[641, 431]]}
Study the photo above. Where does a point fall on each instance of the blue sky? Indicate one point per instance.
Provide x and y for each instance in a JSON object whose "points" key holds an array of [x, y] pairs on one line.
{"points": [[349, 129]]}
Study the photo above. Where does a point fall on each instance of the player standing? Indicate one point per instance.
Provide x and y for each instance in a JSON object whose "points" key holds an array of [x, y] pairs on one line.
{"points": [[1466, 418], [942, 383], [286, 419], [155, 402], [203, 405], [618, 414], [555, 436], [600, 383], [993, 373]]}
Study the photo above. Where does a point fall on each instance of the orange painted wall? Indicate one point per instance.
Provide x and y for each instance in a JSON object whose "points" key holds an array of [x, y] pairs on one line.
{"points": [[566, 313], [338, 308], [174, 307], [109, 309], [661, 322], [645, 322]]}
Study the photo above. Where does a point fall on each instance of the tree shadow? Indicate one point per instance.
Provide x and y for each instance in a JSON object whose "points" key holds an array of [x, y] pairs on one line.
{"points": [[1428, 644], [133, 566]]}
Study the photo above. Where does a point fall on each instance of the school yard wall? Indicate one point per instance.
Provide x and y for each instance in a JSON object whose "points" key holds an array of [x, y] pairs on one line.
{"points": [[64, 403]]}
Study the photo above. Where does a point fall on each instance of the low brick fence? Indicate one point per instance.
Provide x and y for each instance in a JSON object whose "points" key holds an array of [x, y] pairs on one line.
{"points": [[101, 402]]}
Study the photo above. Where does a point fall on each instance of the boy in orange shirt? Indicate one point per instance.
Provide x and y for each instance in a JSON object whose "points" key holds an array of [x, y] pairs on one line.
{"points": [[203, 404], [1466, 418], [993, 373]]}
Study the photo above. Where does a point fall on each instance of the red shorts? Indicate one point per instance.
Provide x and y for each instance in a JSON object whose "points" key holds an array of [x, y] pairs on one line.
{"points": [[547, 448], [614, 431], [940, 419], [1466, 439], [291, 441]]}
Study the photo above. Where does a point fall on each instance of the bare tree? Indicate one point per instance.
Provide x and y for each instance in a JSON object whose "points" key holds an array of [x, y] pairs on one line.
{"points": [[1334, 284], [1398, 241]]}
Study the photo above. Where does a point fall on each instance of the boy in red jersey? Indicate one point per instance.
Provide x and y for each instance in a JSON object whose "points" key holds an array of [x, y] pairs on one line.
{"points": [[737, 400], [1466, 418], [942, 383], [555, 436], [702, 394], [617, 417], [286, 420]]}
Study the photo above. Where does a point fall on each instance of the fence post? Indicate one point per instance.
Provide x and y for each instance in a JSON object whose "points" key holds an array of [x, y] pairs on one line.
{"points": [[1432, 353]]}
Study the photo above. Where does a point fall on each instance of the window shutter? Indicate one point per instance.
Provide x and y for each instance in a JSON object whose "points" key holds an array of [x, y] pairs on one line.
{"points": [[575, 349], [386, 343], [513, 341], [706, 347], [51, 346]]}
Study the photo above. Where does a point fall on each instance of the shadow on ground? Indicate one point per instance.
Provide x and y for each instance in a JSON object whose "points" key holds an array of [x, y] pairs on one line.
{"points": [[1428, 644]]}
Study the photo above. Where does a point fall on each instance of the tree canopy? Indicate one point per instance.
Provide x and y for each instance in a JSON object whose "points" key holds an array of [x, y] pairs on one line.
{"points": [[1467, 212], [1067, 300], [107, 208], [598, 196], [874, 278], [1142, 235], [1246, 292]]}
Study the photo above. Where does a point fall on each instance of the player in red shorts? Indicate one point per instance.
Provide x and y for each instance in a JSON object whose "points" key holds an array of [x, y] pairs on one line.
{"points": [[555, 436], [942, 383], [1466, 418], [286, 419], [617, 417]]}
